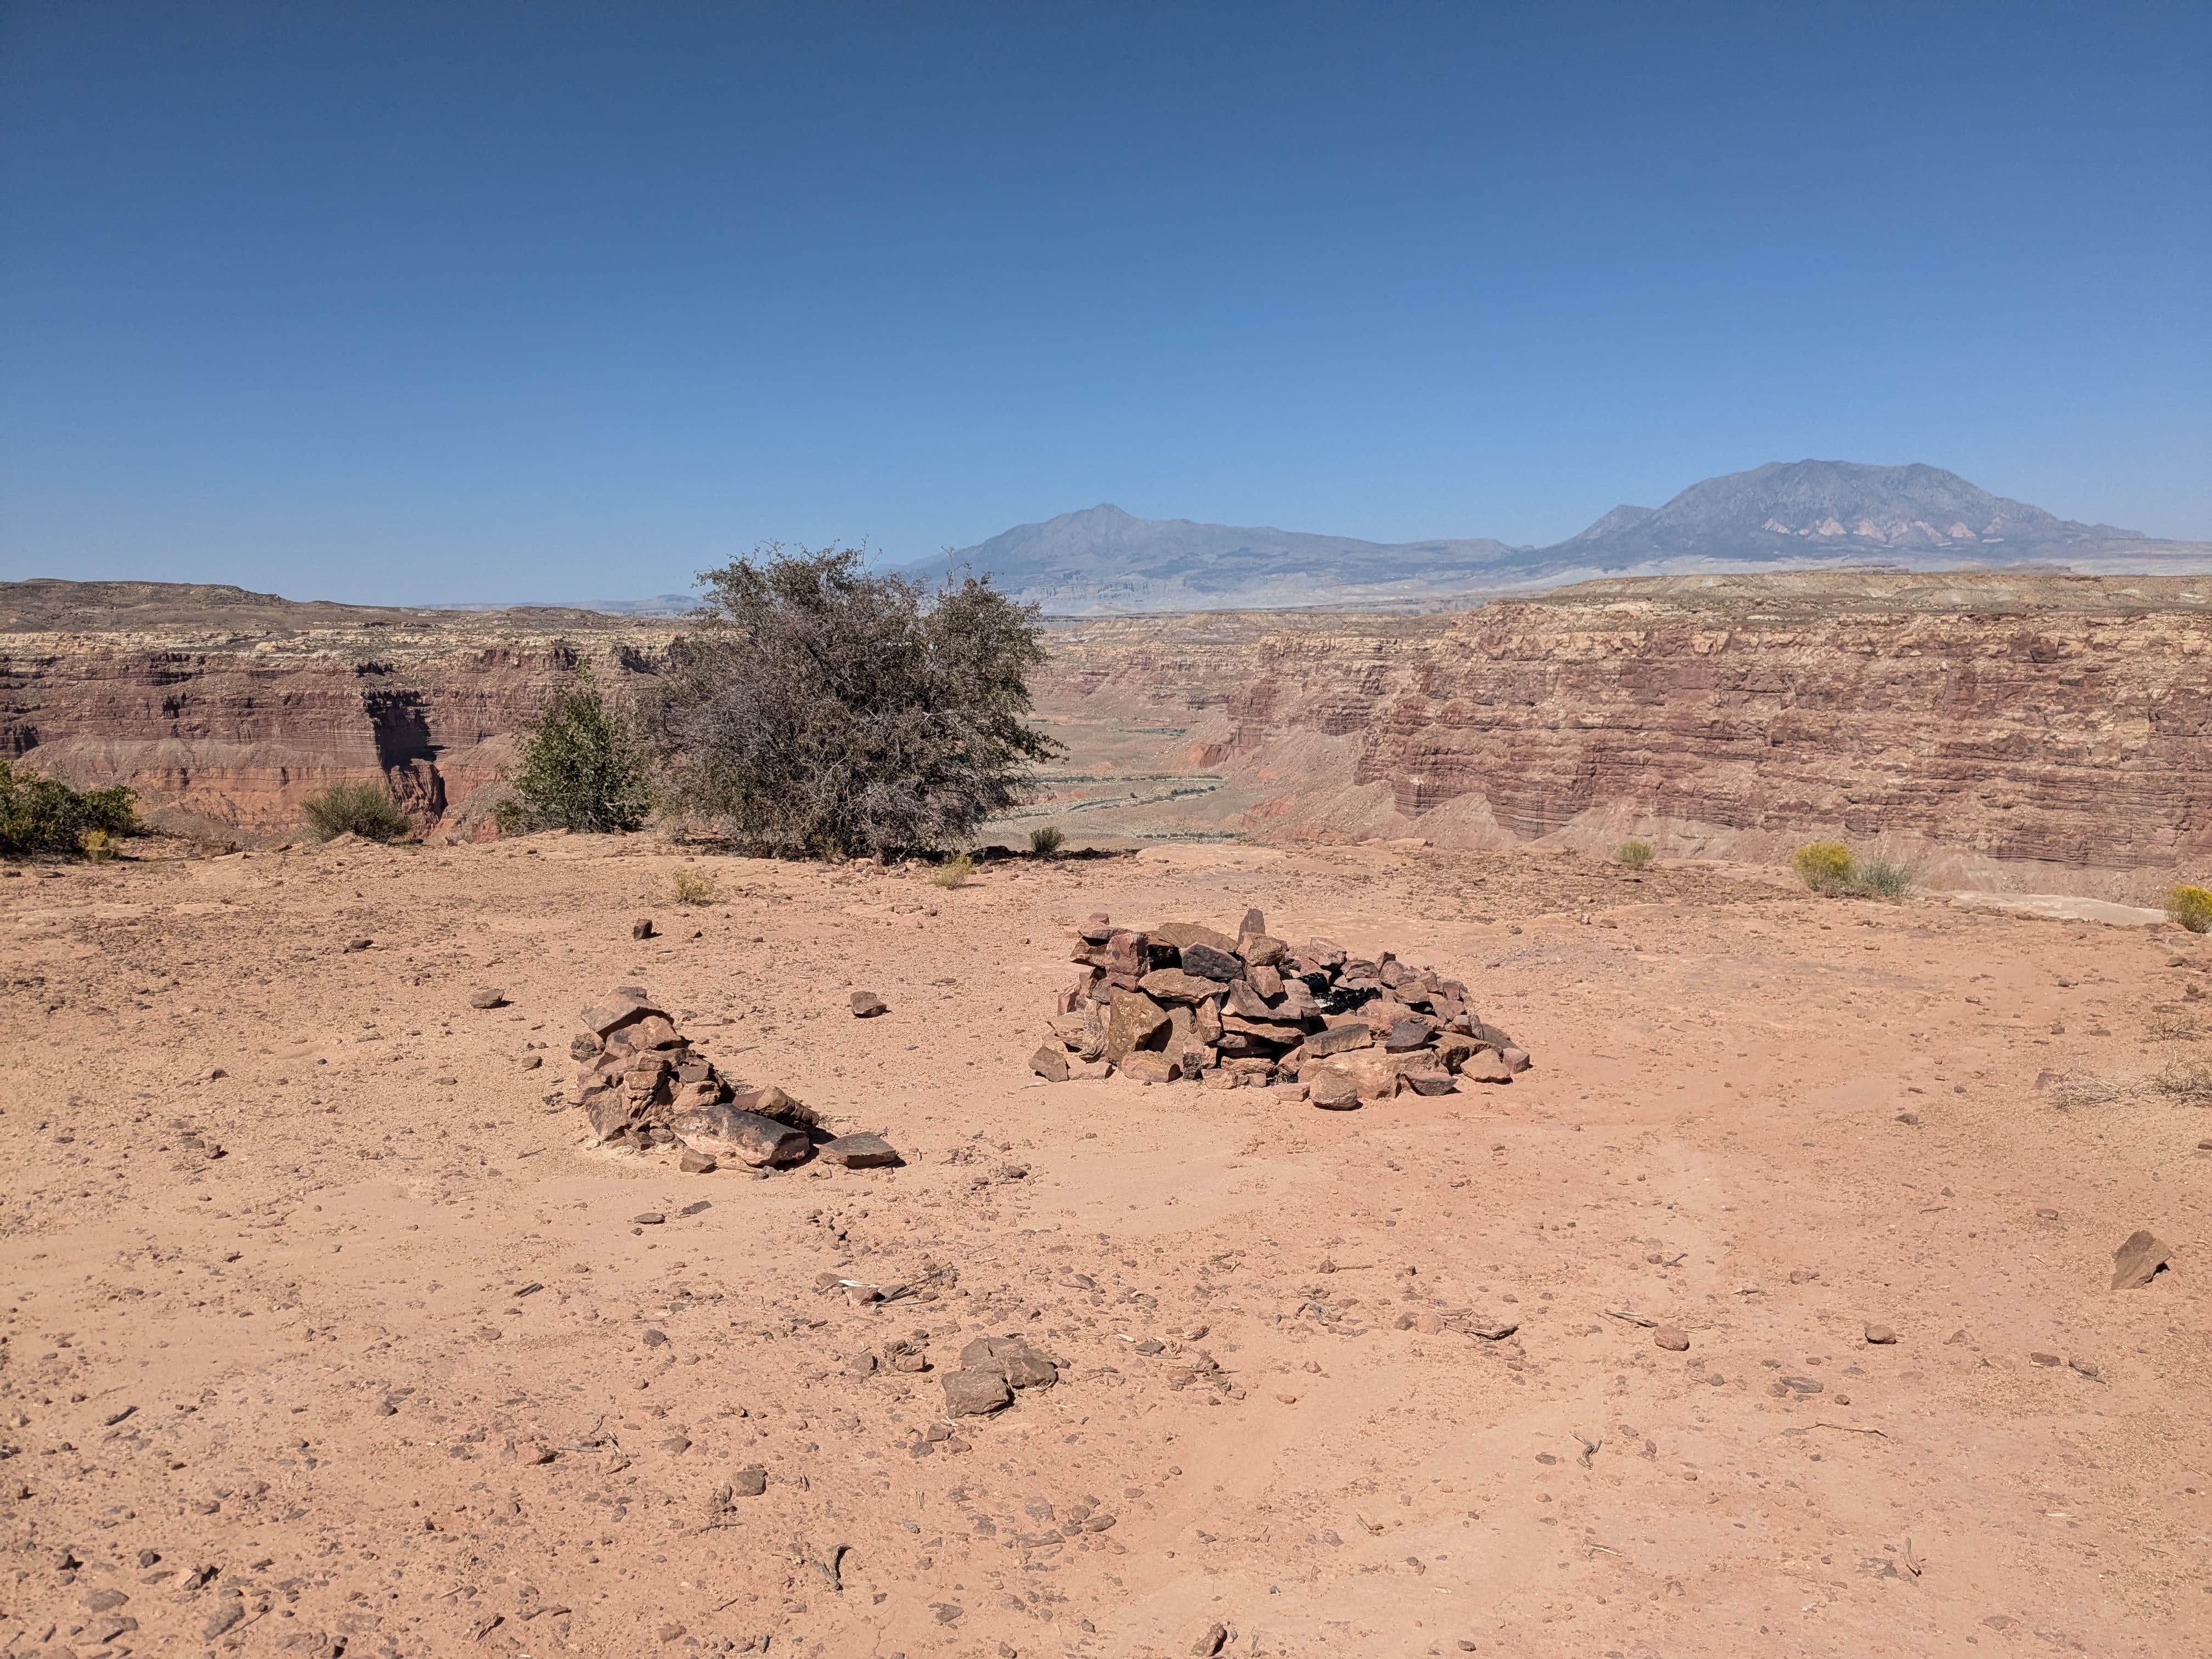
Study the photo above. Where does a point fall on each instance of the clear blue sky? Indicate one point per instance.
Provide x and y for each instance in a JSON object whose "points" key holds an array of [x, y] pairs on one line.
{"points": [[471, 300]]}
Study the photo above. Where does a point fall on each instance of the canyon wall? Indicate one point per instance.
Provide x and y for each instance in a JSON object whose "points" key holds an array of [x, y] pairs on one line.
{"points": [[1992, 726], [226, 715], [2013, 729]]}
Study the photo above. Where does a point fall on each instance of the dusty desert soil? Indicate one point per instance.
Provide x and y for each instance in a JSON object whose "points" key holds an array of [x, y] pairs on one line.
{"points": [[293, 1398]]}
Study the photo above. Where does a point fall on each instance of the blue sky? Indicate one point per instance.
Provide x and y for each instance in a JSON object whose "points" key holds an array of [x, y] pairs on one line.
{"points": [[477, 301]]}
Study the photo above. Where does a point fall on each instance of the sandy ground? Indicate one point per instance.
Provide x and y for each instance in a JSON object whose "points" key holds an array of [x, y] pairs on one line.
{"points": [[400, 1371]]}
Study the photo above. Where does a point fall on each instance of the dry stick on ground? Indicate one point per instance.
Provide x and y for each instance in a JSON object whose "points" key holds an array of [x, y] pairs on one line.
{"points": [[1633, 1319], [1847, 1429]]}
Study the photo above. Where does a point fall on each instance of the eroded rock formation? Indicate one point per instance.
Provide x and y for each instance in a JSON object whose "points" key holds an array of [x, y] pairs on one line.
{"points": [[1988, 718], [2058, 719], [225, 713]]}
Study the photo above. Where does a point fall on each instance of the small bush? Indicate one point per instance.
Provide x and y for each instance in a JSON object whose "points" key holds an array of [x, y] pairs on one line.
{"points": [[694, 887], [1632, 854], [1825, 867], [955, 870], [99, 845], [38, 815], [2192, 907], [582, 768], [360, 808], [1882, 878], [1048, 841], [2070, 1092], [2188, 1081]]}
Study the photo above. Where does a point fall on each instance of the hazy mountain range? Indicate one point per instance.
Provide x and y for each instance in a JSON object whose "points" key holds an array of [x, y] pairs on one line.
{"points": [[1785, 515]]}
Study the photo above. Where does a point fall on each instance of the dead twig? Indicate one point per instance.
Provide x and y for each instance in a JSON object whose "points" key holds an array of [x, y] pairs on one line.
{"points": [[1631, 1318]]}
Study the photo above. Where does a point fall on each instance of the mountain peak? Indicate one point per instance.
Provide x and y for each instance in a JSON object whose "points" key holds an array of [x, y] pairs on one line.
{"points": [[1782, 515]]}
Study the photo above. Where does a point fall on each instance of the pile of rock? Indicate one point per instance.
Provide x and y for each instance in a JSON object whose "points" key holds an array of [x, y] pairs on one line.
{"points": [[643, 1085], [1184, 1000]]}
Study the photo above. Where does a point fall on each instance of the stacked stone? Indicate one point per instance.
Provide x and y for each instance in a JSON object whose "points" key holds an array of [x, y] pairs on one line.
{"points": [[643, 1085], [1184, 1000]]}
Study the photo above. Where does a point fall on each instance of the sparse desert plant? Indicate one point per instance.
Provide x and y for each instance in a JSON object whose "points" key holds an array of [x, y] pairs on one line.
{"points": [[818, 708], [1048, 841], [1632, 854], [1882, 878], [40, 815], [354, 807], [955, 870], [2068, 1093], [2188, 1081], [694, 887], [582, 766], [1825, 867], [2192, 907], [99, 845], [2171, 1028]]}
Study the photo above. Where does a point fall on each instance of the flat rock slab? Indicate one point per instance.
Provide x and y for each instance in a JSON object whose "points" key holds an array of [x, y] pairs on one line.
{"points": [[1212, 963], [866, 1005], [729, 1136], [1338, 1039], [860, 1151], [975, 1393], [2139, 1261], [1175, 985], [2060, 907]]}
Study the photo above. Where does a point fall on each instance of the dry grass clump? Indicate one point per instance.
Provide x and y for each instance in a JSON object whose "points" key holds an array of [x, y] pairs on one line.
{"points": [[1830, 870], [1046, 841], [2073, 1091], [2171, 1028], [1825, 867], [693, 887], [955, 870], [360, 808], [2188, 1081], [1632, 854], [2192, 907]]}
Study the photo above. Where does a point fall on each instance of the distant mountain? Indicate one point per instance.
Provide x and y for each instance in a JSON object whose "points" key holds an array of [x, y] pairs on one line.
{"points": [[1103, 560], [1782, 516], [1784, 512], [660, 604]]}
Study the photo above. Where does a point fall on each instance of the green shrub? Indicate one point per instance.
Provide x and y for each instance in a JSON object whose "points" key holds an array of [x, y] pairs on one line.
{"points": [[1632, 854], [1825, 867], [38, 815], [1048, 841], [819, 708], [582, 767], [99, 845], [357, 808], [955, 870], [1882, 878], [2192, 907]]}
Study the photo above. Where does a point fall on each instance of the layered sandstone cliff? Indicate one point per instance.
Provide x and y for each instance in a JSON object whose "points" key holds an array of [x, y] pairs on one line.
{"points": [[226, 710], [2018, 729], [1964, 720]]}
